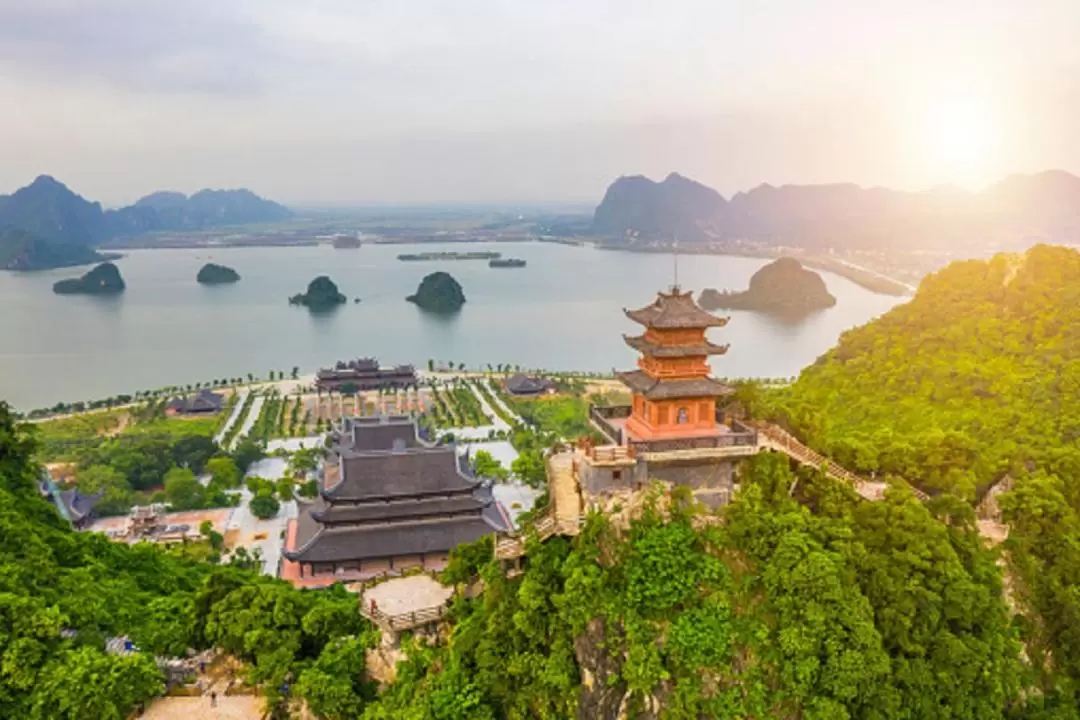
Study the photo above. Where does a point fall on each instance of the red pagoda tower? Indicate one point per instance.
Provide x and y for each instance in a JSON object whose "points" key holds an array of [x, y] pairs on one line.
{"points": [[673, 393]]}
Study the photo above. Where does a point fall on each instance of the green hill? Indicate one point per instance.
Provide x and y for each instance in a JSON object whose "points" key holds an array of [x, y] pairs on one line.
{"points": [[23, 250], [438, 292], [213, 274], [322, 294], [976, 377], [64, 593], [102, 280]]}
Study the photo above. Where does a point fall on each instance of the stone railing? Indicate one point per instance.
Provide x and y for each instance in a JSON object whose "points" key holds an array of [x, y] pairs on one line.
{"points": [[743, 437], [602, 414], [404, 621], [512, 546]]}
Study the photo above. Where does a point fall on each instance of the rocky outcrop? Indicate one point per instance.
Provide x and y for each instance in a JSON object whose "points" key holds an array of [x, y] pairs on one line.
{"points": [[783, 287]]}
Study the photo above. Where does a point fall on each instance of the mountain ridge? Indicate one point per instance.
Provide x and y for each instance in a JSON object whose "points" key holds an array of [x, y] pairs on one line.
{"points": [[1044, 205], [64, 226]]}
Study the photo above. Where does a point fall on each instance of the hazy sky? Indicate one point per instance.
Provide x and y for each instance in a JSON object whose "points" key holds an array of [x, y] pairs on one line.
{"points": [[412, 101]]}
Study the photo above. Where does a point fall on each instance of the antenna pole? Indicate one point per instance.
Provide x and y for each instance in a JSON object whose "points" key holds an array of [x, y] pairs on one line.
{"points": [[675, 260]]}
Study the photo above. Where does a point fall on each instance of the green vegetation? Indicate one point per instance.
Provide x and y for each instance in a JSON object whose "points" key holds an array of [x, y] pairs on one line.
{"points": [[212, 274], [102, 280], [973, 381], [266, 425], [22, 250], [563, 415], [438, 292], [62, 594], [486, 466], [322, 294], [854, 610]]}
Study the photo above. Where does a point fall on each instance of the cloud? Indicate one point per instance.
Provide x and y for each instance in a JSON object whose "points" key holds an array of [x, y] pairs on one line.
{"points": [[176, 46]]}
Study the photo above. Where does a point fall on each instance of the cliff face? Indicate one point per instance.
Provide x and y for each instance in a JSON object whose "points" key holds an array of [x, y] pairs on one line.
{"points": [[783, 286]]}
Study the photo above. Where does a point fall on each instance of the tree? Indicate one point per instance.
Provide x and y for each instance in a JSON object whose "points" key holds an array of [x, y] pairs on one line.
{"points": [[265, 506], [85, 683], [224, 472], [485, 465], [247, 453], [193, 451], [117, 496], [335, 686], [295, 372], [183, 490], [431, 365]]}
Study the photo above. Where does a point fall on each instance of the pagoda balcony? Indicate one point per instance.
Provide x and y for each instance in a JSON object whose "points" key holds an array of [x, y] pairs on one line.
{"points": [[734, 438]]}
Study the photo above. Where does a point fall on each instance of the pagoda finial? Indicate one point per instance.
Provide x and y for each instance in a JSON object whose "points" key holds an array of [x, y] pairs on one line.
{"points": [[675, 259]]}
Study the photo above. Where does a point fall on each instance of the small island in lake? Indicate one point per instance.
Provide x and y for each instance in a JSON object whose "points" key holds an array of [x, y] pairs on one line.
{"points": [[322, 294], [213, 274], [783, 286], [102, 280], [438, 292]]}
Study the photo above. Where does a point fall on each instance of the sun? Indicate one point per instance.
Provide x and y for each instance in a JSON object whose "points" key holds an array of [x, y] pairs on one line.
{"points": [[962, 137]]}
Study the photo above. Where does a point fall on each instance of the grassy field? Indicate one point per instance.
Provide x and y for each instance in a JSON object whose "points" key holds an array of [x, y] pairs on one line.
{"points": [[66, 439]]}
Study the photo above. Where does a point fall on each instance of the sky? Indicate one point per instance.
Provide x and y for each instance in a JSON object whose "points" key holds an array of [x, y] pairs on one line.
{"points": [[341, 102]]}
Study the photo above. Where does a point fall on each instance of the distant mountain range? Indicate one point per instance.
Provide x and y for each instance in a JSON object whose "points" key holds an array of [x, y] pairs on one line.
{"points": [[1014, 212], [45, 225]]}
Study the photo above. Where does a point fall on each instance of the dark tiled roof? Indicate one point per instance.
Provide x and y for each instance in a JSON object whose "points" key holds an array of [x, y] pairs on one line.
{"points": [[203, 401], [401, 510], [77, 504], [643, 345], [381, 541], [653, 389], [526, 385], [675, 310], [417, 471], [384, 435]]}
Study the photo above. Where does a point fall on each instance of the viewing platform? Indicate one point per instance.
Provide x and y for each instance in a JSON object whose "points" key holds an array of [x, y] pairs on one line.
{"points": [[729, 440]]}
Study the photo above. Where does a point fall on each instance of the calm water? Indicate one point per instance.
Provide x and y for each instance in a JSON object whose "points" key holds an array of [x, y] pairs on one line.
{"points": [[563, 311]]}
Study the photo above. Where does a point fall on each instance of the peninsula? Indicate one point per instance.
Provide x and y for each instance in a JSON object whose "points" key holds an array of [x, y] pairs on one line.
{"points": [[213, 274], [322, 294], [438, 292], [102, 280], [782, 286]]}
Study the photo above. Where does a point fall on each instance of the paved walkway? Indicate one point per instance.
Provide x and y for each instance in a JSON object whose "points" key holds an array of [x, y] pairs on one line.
{"points": [[241, 398], [235, 707], [249, 421], [247, 527]]}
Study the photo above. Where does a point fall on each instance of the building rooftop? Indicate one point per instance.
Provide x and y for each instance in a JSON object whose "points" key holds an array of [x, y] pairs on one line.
{"points": [[654, 389], [341, 543], [202, 401], [646, 346], [675, 310], [389, 474], [519, 384]]}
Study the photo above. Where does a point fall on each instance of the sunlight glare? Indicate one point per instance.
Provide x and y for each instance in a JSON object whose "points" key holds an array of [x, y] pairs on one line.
{"points": [[962, 137]]}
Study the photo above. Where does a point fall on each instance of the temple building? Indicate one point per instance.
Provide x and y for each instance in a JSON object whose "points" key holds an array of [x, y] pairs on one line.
{"points": [[675, 428], [388, 501], [366, 374]]}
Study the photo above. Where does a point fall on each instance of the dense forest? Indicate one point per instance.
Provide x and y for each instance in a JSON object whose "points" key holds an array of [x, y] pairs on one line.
{"points": [[974, 382], [63, 594]]}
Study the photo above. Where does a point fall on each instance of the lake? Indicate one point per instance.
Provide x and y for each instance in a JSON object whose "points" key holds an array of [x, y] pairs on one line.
{"points": [[563, 311]]}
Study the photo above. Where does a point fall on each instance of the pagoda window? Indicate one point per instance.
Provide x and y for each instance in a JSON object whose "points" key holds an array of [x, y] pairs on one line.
{"points": [[683, 416]]}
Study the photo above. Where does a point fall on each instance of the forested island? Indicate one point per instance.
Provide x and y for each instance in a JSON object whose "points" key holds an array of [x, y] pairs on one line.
{"points": [[213, 274], [438, 292], [24, 250], [783, 286], [102, 280], [322, 294]]}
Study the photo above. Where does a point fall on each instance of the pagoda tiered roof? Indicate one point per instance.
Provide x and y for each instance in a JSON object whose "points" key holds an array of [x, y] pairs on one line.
{"points": [[643, 345], [661, 389], [395, 495], [675, 310]]}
